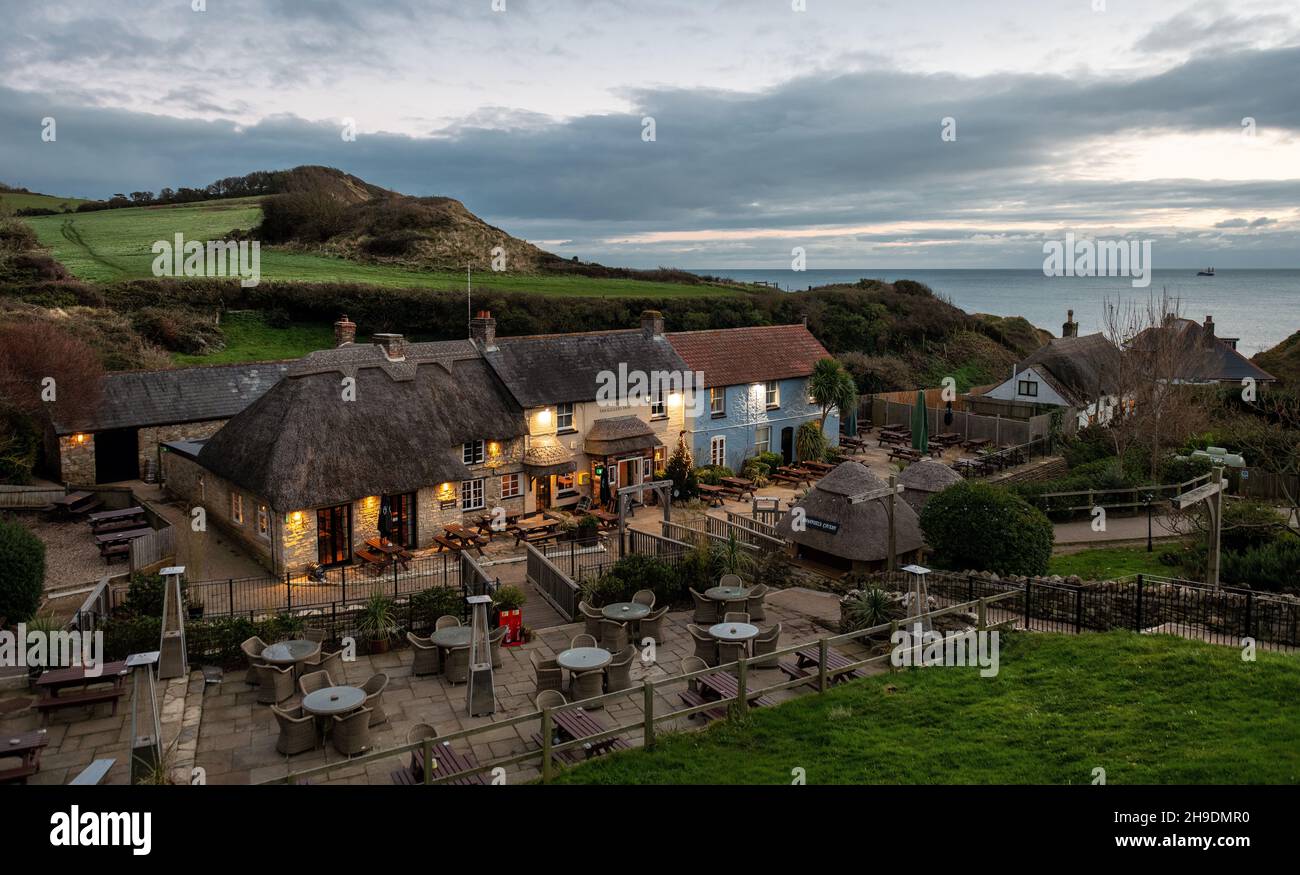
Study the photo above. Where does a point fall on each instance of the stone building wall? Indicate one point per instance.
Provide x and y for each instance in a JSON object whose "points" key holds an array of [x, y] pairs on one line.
{"points": [[77, 451], [151, 436], [77, 459]]}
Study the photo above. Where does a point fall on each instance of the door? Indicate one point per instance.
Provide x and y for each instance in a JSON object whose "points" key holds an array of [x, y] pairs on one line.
{"points": [[402, 515], [116, 455], [629, 474], [334, 534], [787, 444], [542, 487]]}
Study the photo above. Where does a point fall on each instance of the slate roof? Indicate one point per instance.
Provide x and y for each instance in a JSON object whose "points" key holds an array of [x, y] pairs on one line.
{"points": [[135, 399], [1213, 361], [547, 369], [1080, 369], [733, 356]]}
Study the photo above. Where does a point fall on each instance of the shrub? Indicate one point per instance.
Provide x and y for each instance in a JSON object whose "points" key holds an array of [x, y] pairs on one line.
{"points": [[430, 604], [144, 596], [863, 609], [22, 556], [975, 525], [509, 598], [712, 474], [632, 573], [1273, 566], [773, 567], [681, 470], [809, 442], [1180, 470]]}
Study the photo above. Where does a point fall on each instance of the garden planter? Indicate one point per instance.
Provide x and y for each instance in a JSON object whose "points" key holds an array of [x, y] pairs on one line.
{"points": [[378, 646]]}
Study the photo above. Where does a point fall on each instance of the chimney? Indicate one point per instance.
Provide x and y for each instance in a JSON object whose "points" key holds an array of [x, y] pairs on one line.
{"points": [[345, 332], [1207, 331], [1070, 328], [483, 330], [652, 324], [394, 346]]}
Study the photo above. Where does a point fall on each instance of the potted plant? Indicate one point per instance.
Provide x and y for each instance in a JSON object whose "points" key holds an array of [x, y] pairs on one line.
{"points": [[507, 605], [586, 531], [377, 623]]}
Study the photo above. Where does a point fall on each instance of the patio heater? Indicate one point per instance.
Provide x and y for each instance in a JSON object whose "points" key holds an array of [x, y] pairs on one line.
{"points": [[146, 728], [173, 663], [481, 696], [919, 603]]}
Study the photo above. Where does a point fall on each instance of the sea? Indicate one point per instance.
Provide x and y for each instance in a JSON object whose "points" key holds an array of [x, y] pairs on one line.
{"points": [[1259, 307]]}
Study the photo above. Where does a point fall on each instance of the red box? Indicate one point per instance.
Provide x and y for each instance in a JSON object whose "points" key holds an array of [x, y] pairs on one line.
{"points": [[514, 623]]}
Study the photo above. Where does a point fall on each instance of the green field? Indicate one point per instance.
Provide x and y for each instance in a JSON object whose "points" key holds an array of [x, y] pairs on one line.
{"points": [[10, 201], [1149, 709], [1108, 563], [113, 245], [250, 339]]}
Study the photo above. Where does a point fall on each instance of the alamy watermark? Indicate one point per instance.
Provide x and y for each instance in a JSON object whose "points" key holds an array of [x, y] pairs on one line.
{"points": [[192, 258], [61, 649], [1084, 257], [659, 390], [919, 647]]}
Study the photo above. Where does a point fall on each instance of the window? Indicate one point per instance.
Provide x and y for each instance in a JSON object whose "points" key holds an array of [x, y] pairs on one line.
{"points": [[471, 453], [401, 519], [661, 455], [718, 401], [564, 417], [657, 409], [237, 507], [566, 484], [773, 395], [718, 451], [763, 439], [1028, 387], [511, 486], [471, 494], [263, 521]]}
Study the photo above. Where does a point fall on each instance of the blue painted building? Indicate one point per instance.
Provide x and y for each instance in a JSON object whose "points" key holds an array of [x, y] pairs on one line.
{"points": [[755, 391]]}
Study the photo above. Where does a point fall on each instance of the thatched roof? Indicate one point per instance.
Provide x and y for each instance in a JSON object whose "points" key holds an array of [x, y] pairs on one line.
{"points": [[302, 445], [1080, 369], [862, 529], [924, 478], [619, 434], [546, 456]]}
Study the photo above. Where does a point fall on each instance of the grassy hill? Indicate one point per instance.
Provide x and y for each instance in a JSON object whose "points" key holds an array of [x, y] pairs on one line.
{"points": [[12, 201], [1149, 709], [1283, 361]]}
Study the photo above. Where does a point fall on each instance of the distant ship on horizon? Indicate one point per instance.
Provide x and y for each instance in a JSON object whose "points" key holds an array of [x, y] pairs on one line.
{"points": [[1209, 271]]}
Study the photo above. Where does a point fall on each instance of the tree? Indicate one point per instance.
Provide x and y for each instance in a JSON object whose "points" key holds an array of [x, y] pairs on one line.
{"points": [[810, 442], [976, 525], [830, 386], [681, 470], [22, 556]]}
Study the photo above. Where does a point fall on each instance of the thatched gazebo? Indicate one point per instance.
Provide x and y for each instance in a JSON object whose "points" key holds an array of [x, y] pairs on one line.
{"points": [[851, 535], [924, 478]]}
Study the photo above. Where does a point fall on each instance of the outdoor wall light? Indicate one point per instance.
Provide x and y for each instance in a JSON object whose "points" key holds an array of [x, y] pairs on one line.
{"points": [[544, 417], [446, 492], [675, 398], [79, 438], [296, 517]]}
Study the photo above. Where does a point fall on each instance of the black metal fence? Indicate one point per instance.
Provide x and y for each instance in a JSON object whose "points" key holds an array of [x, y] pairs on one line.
{"points": [[1227, 615]]}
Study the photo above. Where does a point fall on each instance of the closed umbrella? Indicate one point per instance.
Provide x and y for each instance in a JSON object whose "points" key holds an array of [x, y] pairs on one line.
{"points": [[385, 518], [851, 426], [920, 432]]}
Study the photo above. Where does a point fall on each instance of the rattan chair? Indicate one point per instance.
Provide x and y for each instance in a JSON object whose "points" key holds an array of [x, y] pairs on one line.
{"points": [[591, 617], [756, 603], [446, 620], [456, 666], [297, 730], [652, 625], [316, 680], [351, 734], [613, 635], [733, 606], [374, 688], [706, 609], [731, 580], [495, 637], [427, 659], [314, 633], [767, 642], [618, 674], [419, 732], [690, 664], [252, 649], [589, 685], [550, 699], [549, 674], [582, 640], [736, 617], [644, 597], [330, 663], [706, 646], [274, 684], [732, 651]]}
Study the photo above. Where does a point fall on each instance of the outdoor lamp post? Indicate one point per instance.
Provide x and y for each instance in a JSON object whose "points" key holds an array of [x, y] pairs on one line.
{"points": [[1147, 498]]}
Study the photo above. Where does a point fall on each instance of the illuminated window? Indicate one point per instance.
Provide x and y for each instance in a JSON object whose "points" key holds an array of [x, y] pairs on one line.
{"points": [[718, 401], [511, 486], [566, 484], [237, 507], [471, 495], [263, 521], [718, 451]]}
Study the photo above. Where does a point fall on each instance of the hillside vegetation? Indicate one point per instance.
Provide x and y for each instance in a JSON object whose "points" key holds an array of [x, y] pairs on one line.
{"points": [[1283, 361]]}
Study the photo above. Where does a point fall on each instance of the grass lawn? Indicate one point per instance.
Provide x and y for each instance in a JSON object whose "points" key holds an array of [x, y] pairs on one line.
{"points": [[111, 245], [1106, 563], [250, 339], [1149, 709], [10, 201]]}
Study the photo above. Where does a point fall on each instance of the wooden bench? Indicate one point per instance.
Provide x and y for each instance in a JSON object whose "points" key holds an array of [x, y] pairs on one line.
{"points": [[113, 551], [727, 687], [795, 672], [810, 656], [905, 453], [90, 698], [694, 699]]}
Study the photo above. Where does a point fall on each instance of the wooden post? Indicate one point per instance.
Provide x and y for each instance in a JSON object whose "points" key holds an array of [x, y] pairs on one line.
{"points": [[546, 745], [1216, 520], [891, 561], [821, 665], [648, 712], [742, 693], [428, 760], [983, 614]]}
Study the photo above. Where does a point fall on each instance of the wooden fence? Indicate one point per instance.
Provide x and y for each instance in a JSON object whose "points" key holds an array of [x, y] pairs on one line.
{"points": [[971, 426], [1123, 497], [556, 587], [690, 535], [650, 717], [155, 547], [27, 497]]}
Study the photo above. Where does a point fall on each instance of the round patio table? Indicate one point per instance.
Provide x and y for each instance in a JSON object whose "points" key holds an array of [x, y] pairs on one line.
{"points": [[290, 652], [330, 701], [623, 611], [733, 631], [452, 636], [726, 593], [585, 658]]}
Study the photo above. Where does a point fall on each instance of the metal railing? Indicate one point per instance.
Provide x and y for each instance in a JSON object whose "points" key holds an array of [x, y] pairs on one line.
{"points": [[1111, 499]]}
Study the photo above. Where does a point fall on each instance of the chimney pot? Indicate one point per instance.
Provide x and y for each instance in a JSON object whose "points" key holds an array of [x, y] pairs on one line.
{"points": [[345, 331], [393, 345], [483, 330], [652, 324]]}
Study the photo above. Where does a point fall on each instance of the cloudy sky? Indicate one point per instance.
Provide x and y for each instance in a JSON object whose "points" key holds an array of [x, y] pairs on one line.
{"points": [[773, 127]]}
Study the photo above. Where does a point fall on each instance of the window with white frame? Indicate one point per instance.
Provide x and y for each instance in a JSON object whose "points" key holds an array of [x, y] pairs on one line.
{"points": [[718, 401], [263, 521], [511, 486], [566, 484], [657, 408], [471, 494], [564, 417], [1028, 387], [237, 508], [763, 439], [718, 451], [471, 453], [773, 394]]}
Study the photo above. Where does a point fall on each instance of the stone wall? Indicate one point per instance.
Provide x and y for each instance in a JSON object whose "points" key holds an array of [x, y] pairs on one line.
{"points": [[77, 452], [77, 459], [151, 436]]}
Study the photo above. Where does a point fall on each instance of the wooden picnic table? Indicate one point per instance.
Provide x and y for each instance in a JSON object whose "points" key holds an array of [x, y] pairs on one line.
{"points": [[725, 686], [577, 723], [788, 474], [606, 519], [856, 444], [76, 503], [970, 466], [819, 467], [27, 746], [109, 538], [975, 443], [446, 761], [462, 534], [75, 676], [905, 453], [712, 494], [738, 485], [811, 656], [534, 529], [105, 516], [947, 438]]}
